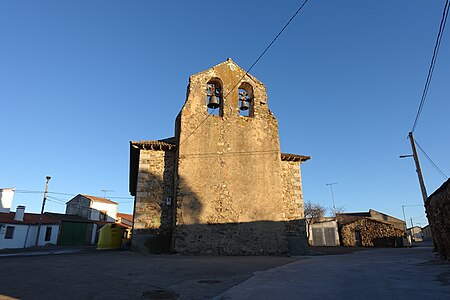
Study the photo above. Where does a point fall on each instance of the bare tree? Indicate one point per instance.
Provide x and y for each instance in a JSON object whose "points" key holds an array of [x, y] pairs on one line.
{"points": [[313, 213], [337, 210]]}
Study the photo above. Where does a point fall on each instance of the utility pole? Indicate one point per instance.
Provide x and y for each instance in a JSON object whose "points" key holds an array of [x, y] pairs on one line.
{"points": [[42, 210], [332, 195], [404, 217], [418, 169]]}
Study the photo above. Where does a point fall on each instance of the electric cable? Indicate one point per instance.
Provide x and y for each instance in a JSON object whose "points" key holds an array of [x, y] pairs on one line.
{"points": [[431, 161], [249, 69], [432, 64]]}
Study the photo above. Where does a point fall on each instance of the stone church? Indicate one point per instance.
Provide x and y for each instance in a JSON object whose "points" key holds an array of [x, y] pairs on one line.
{"points": [[221, 184]]}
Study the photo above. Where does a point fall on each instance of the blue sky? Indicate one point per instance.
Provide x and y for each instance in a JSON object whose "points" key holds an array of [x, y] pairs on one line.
{"points": [[80, 79]]}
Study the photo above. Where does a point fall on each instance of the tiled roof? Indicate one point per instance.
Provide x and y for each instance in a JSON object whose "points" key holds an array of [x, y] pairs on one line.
{"points": [[98, 199], [125, 216], [28, 219], [294, 157], [67, 217], [165, 144]]}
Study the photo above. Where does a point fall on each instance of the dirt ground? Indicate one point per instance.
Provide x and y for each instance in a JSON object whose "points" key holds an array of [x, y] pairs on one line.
{"points": [[89, 274]]}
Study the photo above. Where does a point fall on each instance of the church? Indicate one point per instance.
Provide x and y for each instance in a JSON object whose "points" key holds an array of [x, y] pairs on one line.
{"points": [[220, 185]]}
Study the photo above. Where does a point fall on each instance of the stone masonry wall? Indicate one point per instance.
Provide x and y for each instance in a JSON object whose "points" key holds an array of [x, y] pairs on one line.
{"points": [[229, 171], [372, 233], [80, 206], [152, 217], [293, 197], [438, 213]]}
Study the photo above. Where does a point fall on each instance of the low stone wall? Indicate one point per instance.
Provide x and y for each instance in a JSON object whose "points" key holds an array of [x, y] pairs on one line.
{"points": [[438, 212], [247, 238], [369, 233]]}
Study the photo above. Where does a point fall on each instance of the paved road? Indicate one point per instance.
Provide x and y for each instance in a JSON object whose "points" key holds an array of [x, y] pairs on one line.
{"points": [[124, 275], [414, 273]]}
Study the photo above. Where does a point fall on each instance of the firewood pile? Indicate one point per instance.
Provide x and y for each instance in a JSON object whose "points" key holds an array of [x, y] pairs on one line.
{"points": [[366, 232]]}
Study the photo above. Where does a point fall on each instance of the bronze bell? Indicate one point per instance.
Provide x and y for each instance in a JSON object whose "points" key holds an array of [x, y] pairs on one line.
{"points": [[244, 105], [213, 102]]}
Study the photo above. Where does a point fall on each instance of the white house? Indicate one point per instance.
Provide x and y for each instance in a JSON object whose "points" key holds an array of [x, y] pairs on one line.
{"points": [[19, 229], [92, 208]]}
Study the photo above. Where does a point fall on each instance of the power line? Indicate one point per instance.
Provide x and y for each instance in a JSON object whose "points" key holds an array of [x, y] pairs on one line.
{"points": [[432, 64], [67, 194], [431, 161], [249, 69]]}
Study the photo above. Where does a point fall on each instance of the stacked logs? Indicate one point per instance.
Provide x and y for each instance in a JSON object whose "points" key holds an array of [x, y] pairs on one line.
{"points": [[367, 232]]}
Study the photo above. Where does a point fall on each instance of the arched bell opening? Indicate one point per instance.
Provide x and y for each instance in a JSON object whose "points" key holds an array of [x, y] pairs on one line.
{"points": [[246, 100], [214, 97]]}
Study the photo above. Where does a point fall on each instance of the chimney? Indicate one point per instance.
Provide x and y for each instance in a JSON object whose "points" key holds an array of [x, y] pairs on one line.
{"points": [[20, 212], [6, 198]]}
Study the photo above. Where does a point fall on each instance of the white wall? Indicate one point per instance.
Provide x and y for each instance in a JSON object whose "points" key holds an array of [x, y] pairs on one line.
{"points": [[97, 207], [53, 237], [19, 236], [25, 236]]}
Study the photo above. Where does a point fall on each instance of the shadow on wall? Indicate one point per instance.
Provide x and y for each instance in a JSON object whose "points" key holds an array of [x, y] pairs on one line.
{"points": [[180, 229]]}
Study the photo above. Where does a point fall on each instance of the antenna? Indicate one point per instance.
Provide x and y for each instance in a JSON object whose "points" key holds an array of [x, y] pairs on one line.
{"points": [[332, 195], [106, 191]]}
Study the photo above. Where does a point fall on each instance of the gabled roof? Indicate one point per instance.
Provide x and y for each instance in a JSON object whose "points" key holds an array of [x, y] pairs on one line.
{"points": [[229, 61], [28, 219], [98, 199]]}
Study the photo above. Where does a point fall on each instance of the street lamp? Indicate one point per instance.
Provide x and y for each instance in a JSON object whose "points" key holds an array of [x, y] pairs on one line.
{"points": [[42, 209]]}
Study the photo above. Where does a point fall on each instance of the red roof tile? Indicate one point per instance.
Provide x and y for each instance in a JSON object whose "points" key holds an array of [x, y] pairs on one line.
{"points": [[125, 216], [98, 199], [29, 219]]}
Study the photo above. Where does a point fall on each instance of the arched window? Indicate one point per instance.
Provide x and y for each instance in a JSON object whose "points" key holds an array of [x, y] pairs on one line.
{"points": [[245, 100], [214, 97]]}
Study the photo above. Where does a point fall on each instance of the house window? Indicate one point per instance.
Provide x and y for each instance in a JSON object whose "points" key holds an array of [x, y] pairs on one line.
{"points": [[214, 97], [245, 93], [48, 233], [9, 234]]}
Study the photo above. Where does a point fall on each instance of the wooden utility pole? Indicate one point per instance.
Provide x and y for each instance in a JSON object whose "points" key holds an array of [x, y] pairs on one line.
{"points": [[418, 169], [42, 210]]}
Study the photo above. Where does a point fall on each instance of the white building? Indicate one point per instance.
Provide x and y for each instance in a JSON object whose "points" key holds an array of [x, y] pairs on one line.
{"points": [[92, 208], [19, 229]]}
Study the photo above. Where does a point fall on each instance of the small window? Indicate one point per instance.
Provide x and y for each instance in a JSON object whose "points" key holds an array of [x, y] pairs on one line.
{"points": [[245, 94], [214, 97], [48, 234], [9, 234]]}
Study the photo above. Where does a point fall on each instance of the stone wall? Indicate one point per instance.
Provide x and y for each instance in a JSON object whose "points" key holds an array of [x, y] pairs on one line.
{"points": [[152, 215], [229, 170], [79, 205], [438, 213], [234, 192], [370, 233], [292, 190]]}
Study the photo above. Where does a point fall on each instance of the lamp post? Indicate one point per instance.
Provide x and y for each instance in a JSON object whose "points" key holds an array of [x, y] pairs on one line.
{"points": [[42, 210]]}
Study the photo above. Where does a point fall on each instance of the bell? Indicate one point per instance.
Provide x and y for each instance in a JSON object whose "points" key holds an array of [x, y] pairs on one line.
{"points": [[244, 105], [213, 102]]}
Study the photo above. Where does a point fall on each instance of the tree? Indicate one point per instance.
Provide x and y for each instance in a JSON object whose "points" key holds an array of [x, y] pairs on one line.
{"points": [[337, 210], [313, 213]]}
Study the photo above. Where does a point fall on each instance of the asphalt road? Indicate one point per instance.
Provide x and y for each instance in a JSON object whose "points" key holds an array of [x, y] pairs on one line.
{"points": [[414, 273], [123, 275], [372, 274]]}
